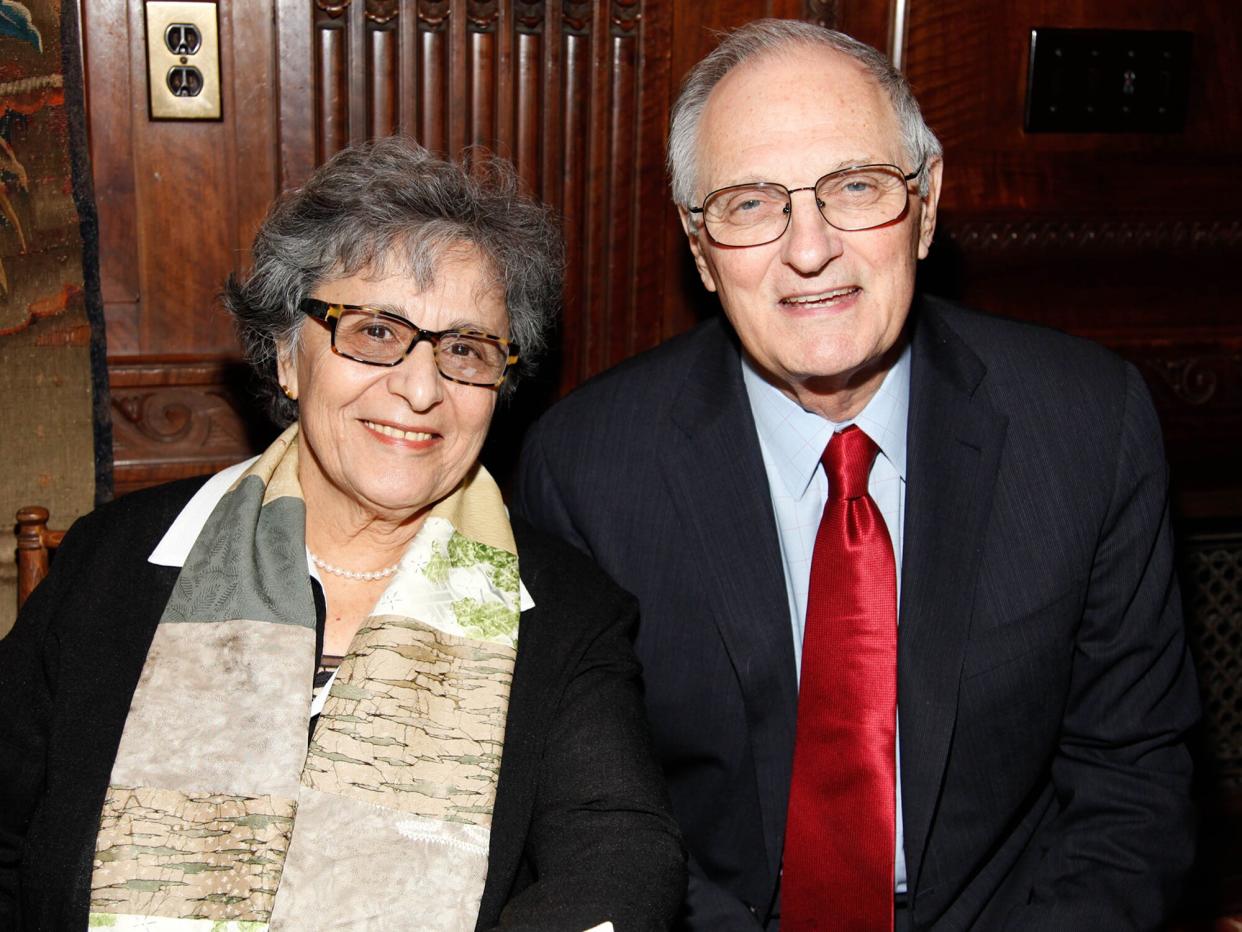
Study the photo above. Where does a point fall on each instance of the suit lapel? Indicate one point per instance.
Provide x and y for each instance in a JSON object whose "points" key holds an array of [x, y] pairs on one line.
{"points": [[720, 489], [955, 442]]}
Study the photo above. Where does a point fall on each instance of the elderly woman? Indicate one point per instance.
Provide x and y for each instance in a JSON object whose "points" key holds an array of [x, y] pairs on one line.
{"points": [[476, 753]]}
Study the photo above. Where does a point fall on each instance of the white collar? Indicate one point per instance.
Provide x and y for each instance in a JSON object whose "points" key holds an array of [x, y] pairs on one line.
{"points": [[174, 547], [796, 437]]}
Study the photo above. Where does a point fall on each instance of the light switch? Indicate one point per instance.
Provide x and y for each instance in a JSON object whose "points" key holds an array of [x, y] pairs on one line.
{"points": [[183, 60], [1107, 81]]}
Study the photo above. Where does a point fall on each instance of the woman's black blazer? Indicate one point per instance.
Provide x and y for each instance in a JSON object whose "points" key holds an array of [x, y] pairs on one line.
{"points": [[581, 830]]}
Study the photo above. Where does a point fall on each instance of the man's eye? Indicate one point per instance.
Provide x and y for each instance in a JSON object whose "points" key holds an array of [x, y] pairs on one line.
{"points": [[750, 204], [858, 186]]}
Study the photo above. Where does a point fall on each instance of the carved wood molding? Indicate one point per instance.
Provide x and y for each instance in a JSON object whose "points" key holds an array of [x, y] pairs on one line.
{"points": [[1010, 234], [626, 15], [433, 14], [528, 18], [1207, 379], [481, 15], [381, 12], [173, 418], [576, 17], [1196, 373], [333, 8]]}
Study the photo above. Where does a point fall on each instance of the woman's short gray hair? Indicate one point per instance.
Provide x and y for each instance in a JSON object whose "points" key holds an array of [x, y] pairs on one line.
{"points": [[760, 38], [391, 206]]}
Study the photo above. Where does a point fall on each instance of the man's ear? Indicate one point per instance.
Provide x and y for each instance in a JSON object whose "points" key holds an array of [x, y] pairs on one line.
{"points": [[927, 218], [694, 237]]}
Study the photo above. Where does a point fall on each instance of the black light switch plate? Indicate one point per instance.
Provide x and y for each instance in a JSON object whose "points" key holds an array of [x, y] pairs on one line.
{"points": [[1107, 81]]}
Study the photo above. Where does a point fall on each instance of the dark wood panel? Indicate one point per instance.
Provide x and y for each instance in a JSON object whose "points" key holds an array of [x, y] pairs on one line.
{"points": [[575, 167], [482, 51], [505, 81], [620, 191], [967, 60], [458, 101], [552, 101], [356, 69], [112, 79], [294, 89], [527, 96], [596, 250], [331, 82], [433, 57], [383, 73], [185, 241], [106, 39], [407, 58], [249, 72]]}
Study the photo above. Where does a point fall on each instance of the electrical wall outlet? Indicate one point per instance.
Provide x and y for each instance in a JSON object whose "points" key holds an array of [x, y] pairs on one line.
{"points": [[183, 60]]}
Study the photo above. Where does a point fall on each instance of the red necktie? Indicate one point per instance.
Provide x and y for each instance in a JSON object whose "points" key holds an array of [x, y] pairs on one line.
{"points": [[839, 834]]}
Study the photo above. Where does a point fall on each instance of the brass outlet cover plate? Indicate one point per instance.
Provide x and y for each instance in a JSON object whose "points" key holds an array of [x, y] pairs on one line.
{"points": [[162, 60]]}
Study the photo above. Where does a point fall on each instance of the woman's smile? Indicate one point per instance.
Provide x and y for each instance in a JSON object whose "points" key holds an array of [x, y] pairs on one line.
{"points": [[401, 435]]}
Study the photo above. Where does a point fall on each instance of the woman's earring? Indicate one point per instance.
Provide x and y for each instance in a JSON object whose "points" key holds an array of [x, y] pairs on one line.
{"points": [[288, 394]]}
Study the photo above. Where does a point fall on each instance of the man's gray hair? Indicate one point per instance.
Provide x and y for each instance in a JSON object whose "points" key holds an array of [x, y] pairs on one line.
{"points": [[762, 37], [389, 206]]}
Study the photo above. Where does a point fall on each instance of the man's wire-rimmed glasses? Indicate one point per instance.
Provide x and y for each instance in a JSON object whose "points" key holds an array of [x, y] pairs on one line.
{"points": [[860, 197], [377, 338]]}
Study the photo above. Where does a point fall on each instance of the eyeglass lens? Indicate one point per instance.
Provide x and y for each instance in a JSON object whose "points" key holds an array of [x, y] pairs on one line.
{"points": [[462, 356], [856, 199]]}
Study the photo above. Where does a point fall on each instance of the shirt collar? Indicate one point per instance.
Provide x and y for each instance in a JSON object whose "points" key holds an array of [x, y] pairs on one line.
{"points": [[174, 547], [795, 438]]}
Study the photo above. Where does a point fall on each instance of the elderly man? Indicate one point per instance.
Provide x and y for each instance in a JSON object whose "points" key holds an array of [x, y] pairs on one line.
{"points": [[910, 631]]}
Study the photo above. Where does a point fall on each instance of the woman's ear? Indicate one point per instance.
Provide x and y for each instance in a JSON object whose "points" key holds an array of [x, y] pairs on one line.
{"points": [[287, 372]]}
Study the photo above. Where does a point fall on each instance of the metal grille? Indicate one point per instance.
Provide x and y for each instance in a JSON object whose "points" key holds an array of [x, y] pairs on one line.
{"points": [[1212, 575]]}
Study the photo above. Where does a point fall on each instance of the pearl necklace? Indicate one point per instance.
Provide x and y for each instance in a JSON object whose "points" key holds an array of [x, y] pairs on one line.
{"points": [[352, 574]]}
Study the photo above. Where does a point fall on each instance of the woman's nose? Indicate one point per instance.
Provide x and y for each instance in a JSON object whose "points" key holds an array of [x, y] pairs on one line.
{"points": [[416, 378]]}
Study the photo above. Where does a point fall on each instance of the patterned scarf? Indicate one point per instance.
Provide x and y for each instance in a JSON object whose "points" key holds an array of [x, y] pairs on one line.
{"points": [[217, 815]]}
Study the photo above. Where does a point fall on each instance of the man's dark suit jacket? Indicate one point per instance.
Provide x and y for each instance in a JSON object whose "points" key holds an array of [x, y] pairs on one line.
{"points": [[1043, 682], [580, 831]]}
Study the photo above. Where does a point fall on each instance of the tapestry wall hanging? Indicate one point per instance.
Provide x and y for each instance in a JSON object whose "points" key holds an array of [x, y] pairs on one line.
{"points": [[53, 375]]}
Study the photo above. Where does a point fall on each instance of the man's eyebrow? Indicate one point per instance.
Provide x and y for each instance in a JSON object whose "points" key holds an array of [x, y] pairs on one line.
{"points": [[826, 170], [851, 163]]}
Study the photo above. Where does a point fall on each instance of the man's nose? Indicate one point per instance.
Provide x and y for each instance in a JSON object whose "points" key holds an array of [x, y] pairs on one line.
{"points": [[810, 242], [417, 380]]}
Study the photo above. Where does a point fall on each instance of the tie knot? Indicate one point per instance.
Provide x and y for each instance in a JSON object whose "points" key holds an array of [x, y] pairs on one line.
{"points": [[847, 461]]}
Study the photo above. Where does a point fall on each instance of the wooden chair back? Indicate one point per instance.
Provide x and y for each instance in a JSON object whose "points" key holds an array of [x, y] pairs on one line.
{"points": [[35, 543]]}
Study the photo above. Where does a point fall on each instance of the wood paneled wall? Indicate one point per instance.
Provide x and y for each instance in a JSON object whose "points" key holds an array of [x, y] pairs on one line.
{"points": [[1130, 239], [575, 93]]}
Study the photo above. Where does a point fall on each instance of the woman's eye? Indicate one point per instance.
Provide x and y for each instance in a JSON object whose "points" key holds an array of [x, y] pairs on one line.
{"points": [[378, 332], [461, 349]]}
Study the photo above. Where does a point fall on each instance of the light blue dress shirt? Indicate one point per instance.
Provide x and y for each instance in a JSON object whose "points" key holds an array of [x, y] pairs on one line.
{"points": [[792, 440]]}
